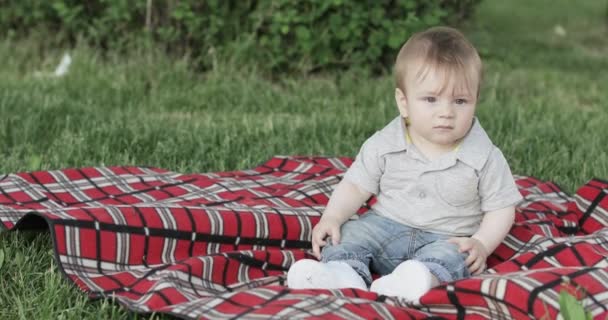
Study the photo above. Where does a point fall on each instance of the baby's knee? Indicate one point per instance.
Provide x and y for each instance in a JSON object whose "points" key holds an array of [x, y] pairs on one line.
{"points": [[445, 261]]}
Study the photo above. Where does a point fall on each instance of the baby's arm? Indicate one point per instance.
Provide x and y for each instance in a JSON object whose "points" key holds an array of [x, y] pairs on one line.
{"points": [[346, 199], [494, 227]]}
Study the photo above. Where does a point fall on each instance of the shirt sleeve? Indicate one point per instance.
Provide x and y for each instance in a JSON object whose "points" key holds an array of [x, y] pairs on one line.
{"points": [[368, 167], [497, 187]]}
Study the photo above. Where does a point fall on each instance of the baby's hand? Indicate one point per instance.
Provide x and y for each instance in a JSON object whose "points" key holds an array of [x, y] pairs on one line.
{"points": [[476, 262], [325, 228]]}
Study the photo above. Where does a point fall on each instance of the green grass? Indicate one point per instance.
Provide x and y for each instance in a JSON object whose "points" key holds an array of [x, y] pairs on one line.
{"points": [[544, 103]]}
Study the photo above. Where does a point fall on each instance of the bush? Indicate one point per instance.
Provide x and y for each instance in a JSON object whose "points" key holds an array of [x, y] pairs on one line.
{"points": [[283, 35]]}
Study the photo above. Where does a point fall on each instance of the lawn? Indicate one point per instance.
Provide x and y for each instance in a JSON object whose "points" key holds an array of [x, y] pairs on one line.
{"points": [[543, 103]]}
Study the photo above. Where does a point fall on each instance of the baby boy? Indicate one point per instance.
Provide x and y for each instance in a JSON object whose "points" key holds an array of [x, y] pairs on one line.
{"points": [[445, 194]]}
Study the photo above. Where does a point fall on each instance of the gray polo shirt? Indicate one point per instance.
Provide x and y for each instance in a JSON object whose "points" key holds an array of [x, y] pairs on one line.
{"points": [[448, 195]]}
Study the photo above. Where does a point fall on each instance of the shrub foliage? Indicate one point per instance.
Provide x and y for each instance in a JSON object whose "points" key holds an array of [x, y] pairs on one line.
{"points": [[304, 35]]}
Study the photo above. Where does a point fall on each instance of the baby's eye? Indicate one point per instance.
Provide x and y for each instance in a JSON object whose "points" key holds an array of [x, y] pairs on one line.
{"points": [[430, 99], [461, 101]]}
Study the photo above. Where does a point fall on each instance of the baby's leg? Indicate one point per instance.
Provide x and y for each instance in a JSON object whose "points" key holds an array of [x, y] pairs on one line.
{"points": [[443, 260], [432, 264], [345, 264]]}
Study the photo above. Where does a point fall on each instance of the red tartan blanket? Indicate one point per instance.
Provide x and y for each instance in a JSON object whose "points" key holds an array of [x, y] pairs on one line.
{"points": [[217, 245]]}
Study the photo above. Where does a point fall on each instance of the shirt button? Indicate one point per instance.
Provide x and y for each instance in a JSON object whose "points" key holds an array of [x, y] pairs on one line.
{"points": [[422, 195]]}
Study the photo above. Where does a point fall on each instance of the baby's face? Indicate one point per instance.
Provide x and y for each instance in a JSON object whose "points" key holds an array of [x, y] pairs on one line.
{"points": [[440, 109]]}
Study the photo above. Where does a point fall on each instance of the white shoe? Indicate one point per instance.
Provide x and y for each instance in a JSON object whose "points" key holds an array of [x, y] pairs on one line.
{"points": [[312, 274], [410, 280]]}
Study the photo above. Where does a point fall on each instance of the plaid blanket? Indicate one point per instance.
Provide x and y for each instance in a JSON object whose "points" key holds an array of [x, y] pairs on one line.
{"points": [[217, 245]]}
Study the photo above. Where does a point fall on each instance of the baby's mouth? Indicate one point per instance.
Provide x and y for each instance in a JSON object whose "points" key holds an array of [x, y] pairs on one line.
{"points": [[443, 127]]}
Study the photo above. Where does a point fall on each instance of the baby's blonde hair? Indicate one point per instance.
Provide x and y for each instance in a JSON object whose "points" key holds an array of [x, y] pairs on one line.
{"points": [[444, 50]]}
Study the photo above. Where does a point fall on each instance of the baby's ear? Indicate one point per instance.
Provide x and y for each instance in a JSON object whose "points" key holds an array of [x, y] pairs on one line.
{"points": [[401, 102]]}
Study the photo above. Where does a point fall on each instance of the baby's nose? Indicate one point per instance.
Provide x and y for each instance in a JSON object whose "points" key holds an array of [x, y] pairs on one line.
{"points": [[446, 111]]}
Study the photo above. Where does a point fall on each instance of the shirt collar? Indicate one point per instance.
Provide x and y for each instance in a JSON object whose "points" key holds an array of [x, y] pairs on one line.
{"points": [[395, 135], [473, 150]]}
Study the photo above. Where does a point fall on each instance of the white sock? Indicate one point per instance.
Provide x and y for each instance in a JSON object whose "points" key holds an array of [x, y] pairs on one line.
{"points": [[312, 274], [410, 280], [349, 278]]}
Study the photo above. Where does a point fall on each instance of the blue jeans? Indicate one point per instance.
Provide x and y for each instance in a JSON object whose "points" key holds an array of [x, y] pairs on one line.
{"points": [[380, 244]]}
